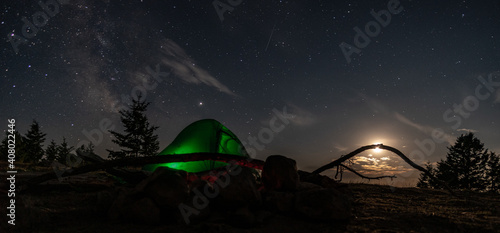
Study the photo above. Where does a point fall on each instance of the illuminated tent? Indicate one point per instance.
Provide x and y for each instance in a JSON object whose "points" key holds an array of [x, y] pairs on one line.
{"points": [[206, 135]]}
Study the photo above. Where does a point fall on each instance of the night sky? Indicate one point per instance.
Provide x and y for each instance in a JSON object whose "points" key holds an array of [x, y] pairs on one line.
{"points": [[420, 72]]}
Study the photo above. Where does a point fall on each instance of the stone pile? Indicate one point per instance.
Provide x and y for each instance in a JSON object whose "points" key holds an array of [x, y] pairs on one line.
{"points": [[312, 196], [237, 196]]}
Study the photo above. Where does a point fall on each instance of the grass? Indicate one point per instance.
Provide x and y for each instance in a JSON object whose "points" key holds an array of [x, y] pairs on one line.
{"points": [[384, 208]]}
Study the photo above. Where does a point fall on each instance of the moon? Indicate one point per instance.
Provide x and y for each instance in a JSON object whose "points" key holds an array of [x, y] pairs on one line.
{"points": [[377, 150]]}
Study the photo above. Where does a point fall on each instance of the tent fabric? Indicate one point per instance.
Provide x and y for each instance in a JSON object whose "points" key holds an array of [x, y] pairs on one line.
{"points": [[206, 135]]}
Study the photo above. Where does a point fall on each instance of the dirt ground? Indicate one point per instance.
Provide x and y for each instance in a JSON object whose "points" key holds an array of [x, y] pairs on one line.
{"points": [[79, 204]]}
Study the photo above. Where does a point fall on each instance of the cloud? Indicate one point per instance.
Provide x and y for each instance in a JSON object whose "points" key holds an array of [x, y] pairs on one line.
{"points": [[423, 128], [407, 121], [340, 147], [295, 114], [175, 58], [301, 117], [373, 104], [468, 130], [375, 165]]}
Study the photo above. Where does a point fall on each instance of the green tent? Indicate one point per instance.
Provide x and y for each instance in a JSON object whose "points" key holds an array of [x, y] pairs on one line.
{"points": [[206, 135]]}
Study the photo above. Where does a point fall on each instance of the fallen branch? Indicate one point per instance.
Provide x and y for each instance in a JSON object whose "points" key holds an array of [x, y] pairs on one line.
{"points": [[129, 176], [366, 177], [339, 162], [238, 160]]}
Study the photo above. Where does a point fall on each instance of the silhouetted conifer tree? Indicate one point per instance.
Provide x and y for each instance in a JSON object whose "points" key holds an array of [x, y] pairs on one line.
{"points": [[33, 143], [468, 165], [63, 151], [51, 152], [139, 138]]}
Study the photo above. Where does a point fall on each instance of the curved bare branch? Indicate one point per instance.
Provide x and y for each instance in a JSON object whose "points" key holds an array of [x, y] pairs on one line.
{"points": [[339, 161], [366, 177]]}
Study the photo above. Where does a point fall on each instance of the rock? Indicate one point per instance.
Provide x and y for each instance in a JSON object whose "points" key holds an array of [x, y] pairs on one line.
{"points": [[263, 216], [32, 211], [104, 199], [323, 204], [142, 211], [154, 198], [166, 187], [280, 174], [242, 217], [279, 201], [196, 200], [237, 189], [128, 206], [198, 184], [124, 199]]}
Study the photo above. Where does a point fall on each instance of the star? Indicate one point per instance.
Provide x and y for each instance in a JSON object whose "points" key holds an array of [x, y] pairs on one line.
{"points": [[88, 62]]}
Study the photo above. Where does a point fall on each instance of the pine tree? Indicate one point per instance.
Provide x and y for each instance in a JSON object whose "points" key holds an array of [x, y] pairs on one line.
{"points": [[424, 181], [33, 144], [139, 138], [87, 149], [494, 173], [4, 149], [51, 152], [63, 151], [466, 164]]}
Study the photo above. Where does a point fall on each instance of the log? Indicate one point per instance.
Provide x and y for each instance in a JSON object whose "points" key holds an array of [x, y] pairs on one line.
{"points": [[366, 177], [132, 177], [238, 160]]}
